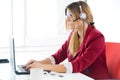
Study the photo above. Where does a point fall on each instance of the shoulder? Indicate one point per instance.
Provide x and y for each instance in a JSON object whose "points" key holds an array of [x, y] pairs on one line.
{"points": [[94, 34]]}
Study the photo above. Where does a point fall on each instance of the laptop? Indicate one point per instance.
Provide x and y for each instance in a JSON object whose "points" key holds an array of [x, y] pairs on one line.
{"points": [[18, 69]]}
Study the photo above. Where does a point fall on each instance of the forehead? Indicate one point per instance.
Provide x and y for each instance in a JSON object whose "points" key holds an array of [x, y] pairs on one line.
{"points": [[68, 11]]}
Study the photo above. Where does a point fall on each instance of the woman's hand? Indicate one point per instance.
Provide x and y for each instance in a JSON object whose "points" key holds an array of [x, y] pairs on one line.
{"points": [[35, 64], [29, 63]]}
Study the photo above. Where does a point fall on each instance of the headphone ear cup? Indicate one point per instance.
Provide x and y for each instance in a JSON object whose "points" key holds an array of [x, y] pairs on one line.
{"points": [[83, 16]]}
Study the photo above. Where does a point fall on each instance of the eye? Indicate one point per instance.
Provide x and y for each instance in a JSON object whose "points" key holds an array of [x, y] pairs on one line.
{"points": [[69, 15]]}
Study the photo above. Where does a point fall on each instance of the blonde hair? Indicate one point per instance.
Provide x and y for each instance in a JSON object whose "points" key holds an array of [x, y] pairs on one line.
{"points": [[74, 43]]}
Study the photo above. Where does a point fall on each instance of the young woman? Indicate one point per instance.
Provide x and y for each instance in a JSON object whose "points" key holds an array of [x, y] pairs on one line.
{"points": [[85, 47]]}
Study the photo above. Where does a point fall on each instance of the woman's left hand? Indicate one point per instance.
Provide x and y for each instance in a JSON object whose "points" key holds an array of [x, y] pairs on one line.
{"points": [[34, 65]]}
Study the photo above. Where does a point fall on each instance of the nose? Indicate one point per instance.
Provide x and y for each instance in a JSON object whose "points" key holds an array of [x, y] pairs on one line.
{"points": [[68, 19]]}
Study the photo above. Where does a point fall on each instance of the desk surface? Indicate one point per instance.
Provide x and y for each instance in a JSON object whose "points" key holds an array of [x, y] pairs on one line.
{"points": [[6, 72]]}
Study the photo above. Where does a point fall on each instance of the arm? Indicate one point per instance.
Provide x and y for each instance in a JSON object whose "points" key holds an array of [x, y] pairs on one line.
{"points": [[62, 53], [49, 63], [44, 61], [56, 68]]}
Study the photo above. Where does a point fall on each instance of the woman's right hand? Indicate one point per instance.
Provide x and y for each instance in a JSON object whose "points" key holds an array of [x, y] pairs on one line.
{"points": [[28, 63]]}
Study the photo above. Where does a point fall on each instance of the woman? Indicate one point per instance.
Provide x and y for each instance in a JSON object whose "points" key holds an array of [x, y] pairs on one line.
{"points": [[85, 47]]}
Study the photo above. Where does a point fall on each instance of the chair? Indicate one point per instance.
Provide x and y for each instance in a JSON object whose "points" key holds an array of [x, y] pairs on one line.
{"points": [[113, 59]]}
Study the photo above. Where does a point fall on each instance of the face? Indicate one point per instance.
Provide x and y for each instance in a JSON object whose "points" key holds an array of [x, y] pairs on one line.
{"points": [[69, 18]]}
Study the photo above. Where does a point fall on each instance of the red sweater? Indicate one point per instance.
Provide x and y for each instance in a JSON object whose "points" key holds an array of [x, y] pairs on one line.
{"points": [[90, 59]]}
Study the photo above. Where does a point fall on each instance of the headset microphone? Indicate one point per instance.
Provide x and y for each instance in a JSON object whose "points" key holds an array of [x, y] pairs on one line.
{"points": [[76, 19]]}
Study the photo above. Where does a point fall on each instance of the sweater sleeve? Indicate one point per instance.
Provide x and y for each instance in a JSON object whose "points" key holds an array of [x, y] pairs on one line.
{"points": [[62, 53], [68, 67], [93, 49]]}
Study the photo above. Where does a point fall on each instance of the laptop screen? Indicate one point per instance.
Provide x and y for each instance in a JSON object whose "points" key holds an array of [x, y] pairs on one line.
{"points": [[13, 59], [12, 53]]}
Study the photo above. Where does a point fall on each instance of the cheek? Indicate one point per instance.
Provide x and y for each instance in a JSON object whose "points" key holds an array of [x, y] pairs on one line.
{"points": [[77, 27], [71, 25]]}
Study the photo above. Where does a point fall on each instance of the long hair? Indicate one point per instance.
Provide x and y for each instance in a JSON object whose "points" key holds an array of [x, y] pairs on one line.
{"points": [[74, 43]]}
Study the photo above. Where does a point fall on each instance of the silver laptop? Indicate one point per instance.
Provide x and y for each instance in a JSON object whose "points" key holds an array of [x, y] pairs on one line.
{"points": [[18, 69]]}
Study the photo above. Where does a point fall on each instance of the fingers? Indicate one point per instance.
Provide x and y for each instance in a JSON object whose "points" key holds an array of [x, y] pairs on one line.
{"points": [[27, 68], [29, 62], [32, 65]]}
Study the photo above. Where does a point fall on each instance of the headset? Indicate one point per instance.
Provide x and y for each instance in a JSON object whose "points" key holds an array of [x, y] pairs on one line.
{"points": [[82, 15]]}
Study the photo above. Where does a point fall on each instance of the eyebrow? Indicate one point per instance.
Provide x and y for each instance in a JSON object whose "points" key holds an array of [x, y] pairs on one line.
{"points": [[69, 15]]}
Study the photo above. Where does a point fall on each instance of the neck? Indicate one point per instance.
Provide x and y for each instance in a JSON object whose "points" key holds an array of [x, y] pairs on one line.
{"points": [[82, 30]]}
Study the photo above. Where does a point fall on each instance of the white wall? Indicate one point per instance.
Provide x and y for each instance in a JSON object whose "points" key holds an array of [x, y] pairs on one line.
{"points": [[106, 17], [15, 15]]}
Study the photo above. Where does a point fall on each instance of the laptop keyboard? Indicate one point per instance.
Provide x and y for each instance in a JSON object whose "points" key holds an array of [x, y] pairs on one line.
{"points": [[21, 68]]}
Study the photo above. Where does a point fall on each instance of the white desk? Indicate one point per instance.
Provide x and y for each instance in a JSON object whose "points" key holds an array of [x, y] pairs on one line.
{"points": [[6, 72]]}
